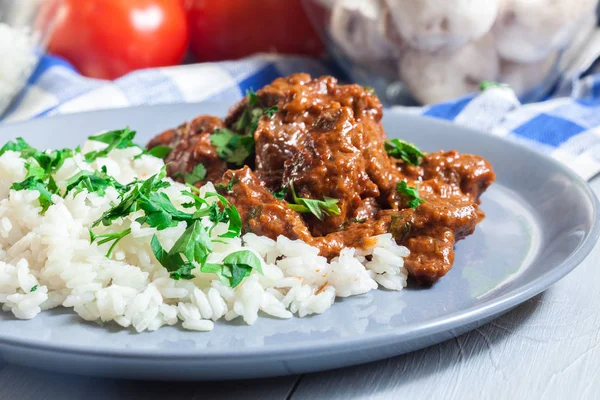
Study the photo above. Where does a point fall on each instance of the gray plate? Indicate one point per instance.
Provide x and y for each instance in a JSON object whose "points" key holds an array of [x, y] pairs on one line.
{"points": [[541, 223]]}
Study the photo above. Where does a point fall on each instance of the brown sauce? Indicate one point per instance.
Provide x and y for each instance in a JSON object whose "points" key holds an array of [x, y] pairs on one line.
{"points": [[326, 140]]}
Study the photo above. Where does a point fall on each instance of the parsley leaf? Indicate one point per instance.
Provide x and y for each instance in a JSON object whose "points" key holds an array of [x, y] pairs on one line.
{"points": [[94, 182], [270, 112], [235, 267], [130, 200], [407, 152], [114, 237], [235, 220], [247, 123], [33, 289], [194, 244], [118, 139], [197, 175], [280, 195], [18, 145], [231, 147], [174, 263], [159, 152], [229, 188], [412, 194], [36, 179], [40, 166], [319, 208], [160, 212]]}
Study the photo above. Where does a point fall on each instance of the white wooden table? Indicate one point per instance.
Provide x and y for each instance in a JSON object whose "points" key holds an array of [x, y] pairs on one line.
{"points": [[547, 348]]}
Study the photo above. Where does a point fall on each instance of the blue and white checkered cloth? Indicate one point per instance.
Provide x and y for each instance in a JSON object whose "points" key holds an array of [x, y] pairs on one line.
{"points": [[567, 127]]}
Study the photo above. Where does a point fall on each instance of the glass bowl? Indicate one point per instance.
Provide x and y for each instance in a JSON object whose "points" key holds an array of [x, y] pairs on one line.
{"points": [[428, 51], [25, 28]]}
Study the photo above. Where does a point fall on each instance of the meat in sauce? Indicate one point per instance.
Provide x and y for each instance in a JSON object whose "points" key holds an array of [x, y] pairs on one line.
{"points": [[325, 140]]}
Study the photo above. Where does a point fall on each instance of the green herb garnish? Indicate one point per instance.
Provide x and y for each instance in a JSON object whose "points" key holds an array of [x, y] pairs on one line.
{"points": [[114, 237], [37, 179], [40, 166], [280, 194], [194, 244], [411, 194], [18, 145], [118, 139], [231, 147], [94, 182], [137, 197], [319, 208], [248, 121], [235, 267], [197, 175], [159, 152], [33, 289], [270, 112], [227, 188], [407, 152]]}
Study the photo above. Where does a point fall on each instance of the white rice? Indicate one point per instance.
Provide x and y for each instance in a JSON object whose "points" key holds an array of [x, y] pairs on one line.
{"points": [[52, 253]]}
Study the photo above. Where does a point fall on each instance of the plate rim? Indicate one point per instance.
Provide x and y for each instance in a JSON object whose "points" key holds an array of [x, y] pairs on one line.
{"points": [[487, 309]]}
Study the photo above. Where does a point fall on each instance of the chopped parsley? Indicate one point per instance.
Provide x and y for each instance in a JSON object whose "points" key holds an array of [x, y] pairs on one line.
{"points": [[231, 147], [159, 152], [40, 167], [270, 112], [33, 289], [192, 248], [248, 121], [118, 139], [194, 244], [17, 145], [197, 175], [229, 188], [280, 194], [319, 208], [235, 146], [411, 194], [37, 180], [114, 237], [407, 152], [235, 267], [93, 182]]}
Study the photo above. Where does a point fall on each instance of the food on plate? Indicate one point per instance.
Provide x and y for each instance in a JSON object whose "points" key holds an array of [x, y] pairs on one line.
{"points": [[109, 38], [292, 200], [308, 159], [435, 77]]}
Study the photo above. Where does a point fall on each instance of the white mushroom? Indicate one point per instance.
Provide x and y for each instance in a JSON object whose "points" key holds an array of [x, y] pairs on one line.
{"points": [[530, 30], [357, 29], [524, 77], [432, 25], [441, 76]]}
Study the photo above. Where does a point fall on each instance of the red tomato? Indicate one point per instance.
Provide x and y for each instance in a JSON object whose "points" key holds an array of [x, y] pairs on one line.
{"points": [[227, 29], [108, 38]]}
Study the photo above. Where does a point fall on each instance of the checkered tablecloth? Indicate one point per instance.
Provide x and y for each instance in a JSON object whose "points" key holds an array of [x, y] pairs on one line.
{"points": [[567, 126]]}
